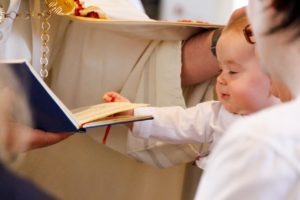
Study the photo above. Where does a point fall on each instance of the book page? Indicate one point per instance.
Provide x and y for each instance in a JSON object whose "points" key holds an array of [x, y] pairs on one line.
{"points": [[96, 112], [116, 120]]}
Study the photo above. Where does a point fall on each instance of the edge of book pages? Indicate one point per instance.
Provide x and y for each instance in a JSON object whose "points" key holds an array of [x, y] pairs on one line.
{"points": [[147, 29], [116, 120], [149, 22]]}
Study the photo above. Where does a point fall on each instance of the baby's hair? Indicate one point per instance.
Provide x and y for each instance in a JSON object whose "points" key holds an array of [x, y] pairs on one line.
{"points": [[237, 25]]}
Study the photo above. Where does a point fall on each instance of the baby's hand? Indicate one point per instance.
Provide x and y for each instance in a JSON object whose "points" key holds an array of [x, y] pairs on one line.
{"points": [[114, 96]]}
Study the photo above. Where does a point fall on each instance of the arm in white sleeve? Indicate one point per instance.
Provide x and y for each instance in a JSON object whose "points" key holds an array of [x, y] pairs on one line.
{"points": [[178, 125]]}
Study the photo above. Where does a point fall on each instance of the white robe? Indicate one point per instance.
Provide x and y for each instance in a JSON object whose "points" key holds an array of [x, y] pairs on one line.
{"points": [[80, 168]]}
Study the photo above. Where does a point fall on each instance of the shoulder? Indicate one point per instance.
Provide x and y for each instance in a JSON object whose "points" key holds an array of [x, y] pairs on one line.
{"points": [[273, 131], [269, 123], [259, 150]]}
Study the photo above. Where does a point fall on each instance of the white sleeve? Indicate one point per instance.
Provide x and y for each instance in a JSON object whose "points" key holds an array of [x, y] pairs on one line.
{"points": [[242, 167], [176, 124]]}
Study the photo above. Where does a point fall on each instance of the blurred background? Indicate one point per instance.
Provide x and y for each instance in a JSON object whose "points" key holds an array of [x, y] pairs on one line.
{"points": [[213, 11]]}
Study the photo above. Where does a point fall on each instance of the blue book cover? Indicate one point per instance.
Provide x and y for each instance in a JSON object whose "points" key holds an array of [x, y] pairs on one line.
{"points": [[46, 112], [50, 114]]}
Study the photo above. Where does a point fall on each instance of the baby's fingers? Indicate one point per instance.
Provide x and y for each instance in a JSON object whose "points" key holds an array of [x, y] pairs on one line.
{"points": [[109, 96], [114, 96]]}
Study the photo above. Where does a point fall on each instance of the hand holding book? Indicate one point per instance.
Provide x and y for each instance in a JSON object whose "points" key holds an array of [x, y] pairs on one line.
{"points": [[51, 115], [39, 138]]}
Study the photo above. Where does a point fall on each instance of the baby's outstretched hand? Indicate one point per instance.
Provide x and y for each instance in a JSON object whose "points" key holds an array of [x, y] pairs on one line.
{"points": [[114, 96]]}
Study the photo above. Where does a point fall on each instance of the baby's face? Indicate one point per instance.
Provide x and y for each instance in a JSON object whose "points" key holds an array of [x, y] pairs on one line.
{"points": [[242, 86]]}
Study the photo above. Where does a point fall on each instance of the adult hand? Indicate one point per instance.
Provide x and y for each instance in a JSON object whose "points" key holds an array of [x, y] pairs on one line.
{"points": [[25, 138], [39, 138]]}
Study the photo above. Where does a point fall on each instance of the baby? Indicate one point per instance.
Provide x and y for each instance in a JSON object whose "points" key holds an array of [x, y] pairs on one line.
{"points": [[242, 88]]}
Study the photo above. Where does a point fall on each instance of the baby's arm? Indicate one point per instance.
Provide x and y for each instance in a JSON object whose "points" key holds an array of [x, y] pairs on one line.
{"points": [[178, 125], [172, 124]]}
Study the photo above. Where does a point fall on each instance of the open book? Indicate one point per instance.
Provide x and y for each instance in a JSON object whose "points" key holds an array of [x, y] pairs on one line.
{"points": [[50, 114]]}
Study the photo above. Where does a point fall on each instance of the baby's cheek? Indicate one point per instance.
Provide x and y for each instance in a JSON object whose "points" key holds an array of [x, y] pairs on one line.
{"points": [[244, 98]]}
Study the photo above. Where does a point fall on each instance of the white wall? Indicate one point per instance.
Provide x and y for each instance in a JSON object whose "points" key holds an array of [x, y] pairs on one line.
{"points": [[239, 3], [213, 11]]}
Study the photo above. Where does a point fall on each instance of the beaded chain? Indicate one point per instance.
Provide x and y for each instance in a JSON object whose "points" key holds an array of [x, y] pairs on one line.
{"points": [[59, 7]]}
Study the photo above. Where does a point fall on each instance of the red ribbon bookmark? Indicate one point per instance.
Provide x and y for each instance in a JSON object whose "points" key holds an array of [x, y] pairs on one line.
{"points": [[108, 127]]}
